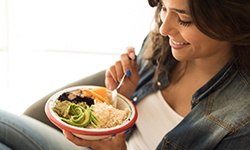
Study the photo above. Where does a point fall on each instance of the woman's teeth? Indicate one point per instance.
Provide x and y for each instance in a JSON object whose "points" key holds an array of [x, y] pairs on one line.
{"points": [[179, 43]]}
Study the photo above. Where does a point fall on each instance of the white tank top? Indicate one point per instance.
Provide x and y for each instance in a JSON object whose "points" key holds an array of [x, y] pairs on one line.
{"points": [[155, 119]]}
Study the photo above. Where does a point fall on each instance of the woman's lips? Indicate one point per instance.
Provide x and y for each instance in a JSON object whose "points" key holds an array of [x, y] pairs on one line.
{"points": [[177, 45]]}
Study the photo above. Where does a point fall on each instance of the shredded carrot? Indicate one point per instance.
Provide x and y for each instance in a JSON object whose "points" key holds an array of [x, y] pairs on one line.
{"points": [[96, 96], [102, 91]]}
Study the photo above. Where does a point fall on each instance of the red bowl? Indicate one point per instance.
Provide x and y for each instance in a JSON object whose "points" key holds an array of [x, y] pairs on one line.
{"points": [[93, 133]]}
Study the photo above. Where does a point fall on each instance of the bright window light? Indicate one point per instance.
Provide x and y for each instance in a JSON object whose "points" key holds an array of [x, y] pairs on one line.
{"points": [[78, 25]]}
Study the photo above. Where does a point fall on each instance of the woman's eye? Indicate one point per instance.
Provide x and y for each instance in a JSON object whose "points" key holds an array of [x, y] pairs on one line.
{"points": [[184, 23], [180, 21]]}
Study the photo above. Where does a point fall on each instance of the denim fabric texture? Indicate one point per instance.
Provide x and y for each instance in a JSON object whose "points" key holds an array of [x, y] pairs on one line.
{"points": [[25, 133]]}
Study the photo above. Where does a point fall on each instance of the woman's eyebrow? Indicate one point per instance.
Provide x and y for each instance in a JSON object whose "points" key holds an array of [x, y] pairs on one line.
{"points": [[180, 11]]}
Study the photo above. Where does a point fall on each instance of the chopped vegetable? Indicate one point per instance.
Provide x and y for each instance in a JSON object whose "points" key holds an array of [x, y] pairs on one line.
{"points": [[96, 96], [80, 116]]}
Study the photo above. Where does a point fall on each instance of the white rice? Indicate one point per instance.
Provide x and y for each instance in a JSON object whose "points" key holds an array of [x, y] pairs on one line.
{"points": [[108, 116]]}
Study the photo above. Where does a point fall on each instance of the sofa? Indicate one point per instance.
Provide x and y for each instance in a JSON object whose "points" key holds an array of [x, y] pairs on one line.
{"points": [[36, 110]]}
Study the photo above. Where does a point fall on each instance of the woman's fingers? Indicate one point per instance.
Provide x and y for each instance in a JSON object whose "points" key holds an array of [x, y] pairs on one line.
{"points": [[114, 75], [96, 144], [113, 143], [128, 60], [126, 65], [131, 52], [75, 140], [119, 71]]}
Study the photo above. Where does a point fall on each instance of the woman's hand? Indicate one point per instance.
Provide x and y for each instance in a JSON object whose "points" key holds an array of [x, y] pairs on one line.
{"points": [[116, 142], [127, 65]]}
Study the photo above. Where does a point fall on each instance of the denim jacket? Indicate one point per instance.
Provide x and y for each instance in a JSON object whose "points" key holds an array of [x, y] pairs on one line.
{"points": [[220, 115]]}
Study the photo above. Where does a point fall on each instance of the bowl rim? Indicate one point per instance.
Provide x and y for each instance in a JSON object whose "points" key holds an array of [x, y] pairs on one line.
{"points": [[129, 122]]}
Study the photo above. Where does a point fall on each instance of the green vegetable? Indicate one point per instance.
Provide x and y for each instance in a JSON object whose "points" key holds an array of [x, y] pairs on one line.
{"points": [[80, 116], [62, 109], [93, 120]]}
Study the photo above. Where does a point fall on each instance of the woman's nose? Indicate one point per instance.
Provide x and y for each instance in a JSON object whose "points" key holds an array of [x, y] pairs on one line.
{"points": [[167, 26]]}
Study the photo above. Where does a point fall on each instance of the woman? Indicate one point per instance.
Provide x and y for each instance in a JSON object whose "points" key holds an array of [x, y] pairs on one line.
{"points": [[192, 88], [190, 81]]}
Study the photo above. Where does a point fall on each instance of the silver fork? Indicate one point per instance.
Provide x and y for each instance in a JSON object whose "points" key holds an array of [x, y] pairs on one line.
{"points": [[114, 92]]}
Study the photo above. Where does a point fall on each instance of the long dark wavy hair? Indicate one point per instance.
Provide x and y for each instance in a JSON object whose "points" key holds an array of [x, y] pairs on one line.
{"points": [[222, 20]]}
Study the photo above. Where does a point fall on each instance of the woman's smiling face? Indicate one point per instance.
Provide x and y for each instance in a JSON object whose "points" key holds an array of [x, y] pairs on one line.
{"points": [[186, 41]]}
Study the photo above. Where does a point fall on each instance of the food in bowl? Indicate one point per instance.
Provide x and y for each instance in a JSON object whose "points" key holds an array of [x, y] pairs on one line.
{"points": [[86, 111], [89, 108]]}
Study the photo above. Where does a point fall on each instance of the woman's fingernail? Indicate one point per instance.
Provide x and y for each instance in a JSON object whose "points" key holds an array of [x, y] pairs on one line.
{"points": [[127, 131], [128, 73]]}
